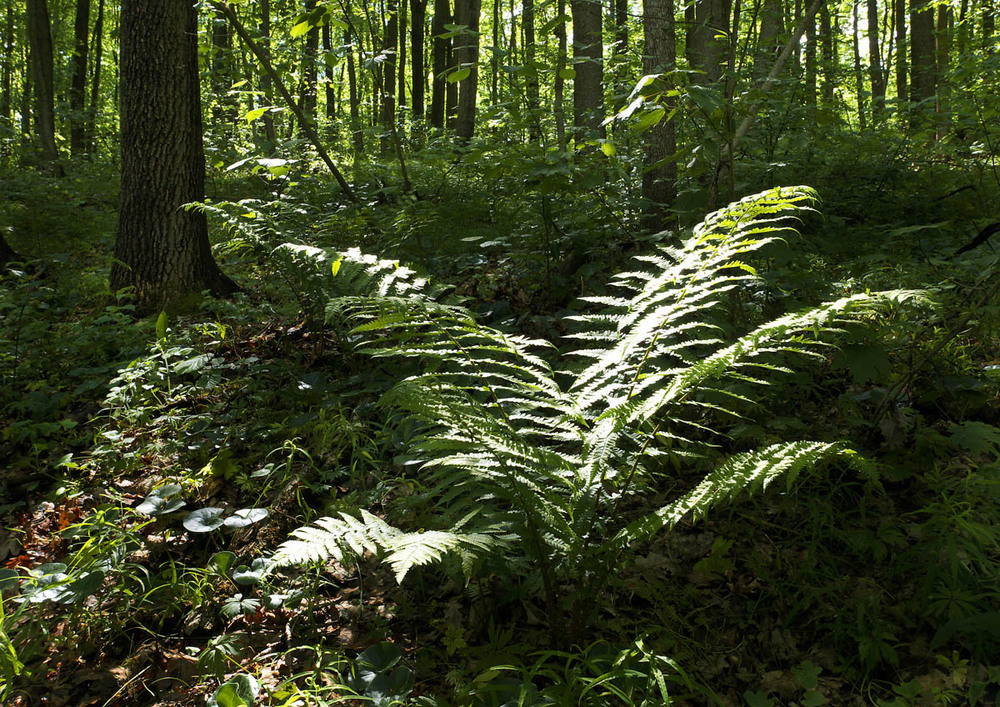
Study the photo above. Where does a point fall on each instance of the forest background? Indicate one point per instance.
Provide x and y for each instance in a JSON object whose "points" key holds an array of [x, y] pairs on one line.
{"points": [[439, 416]]}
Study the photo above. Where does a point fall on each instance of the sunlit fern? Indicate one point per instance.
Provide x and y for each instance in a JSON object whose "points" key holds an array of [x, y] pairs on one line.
{"points": [[523, 468]]}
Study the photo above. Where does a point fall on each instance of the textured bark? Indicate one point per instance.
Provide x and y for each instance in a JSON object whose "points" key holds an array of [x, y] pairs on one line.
{"points": [[829, 64], [659, 180], [902, 67], [401, 56], [588, 61], [531, 77], [329, 87], [923, 81], [309, 70], [943, 62], [859, 75], [40, 39], [875, 76], [708, 38], [467, 57], [441, 60], [270, 135], [770, 40], [7, 69], [387, 114], [97, 42], [810, 74], [558, 99], [161, 249], [988, 15], [357, 134], [418, 78], [78, 85]]}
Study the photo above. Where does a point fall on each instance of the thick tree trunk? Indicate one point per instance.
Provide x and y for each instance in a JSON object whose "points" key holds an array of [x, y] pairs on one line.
{"points": [[441, 60], [387, 115], [270, 134], [771, 38], [40, 39], [923, 79], [467, 57], [708, 38], [401, 60], [161, 249], [310, 75], [659, 178], [78, 85], [943, 57], [588, 61]]}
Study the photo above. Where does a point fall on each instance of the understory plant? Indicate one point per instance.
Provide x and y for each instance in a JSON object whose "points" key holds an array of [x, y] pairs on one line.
{"points": [[555, 474]]}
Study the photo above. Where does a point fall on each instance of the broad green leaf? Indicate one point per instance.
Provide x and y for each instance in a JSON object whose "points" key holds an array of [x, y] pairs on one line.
{"points": [[245, 516], [461, 74], [567, 73], [204, 520], [161, 502], [255, 114], [161, 326]]}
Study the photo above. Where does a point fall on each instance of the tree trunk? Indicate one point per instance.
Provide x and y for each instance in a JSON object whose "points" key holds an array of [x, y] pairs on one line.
{"points": [[467, 57], [161, 249], [418, 79], [441, 60], [330, 93], [899, 10], [811, 64], [78, 85], [97, 42], [401, 60], [531, 74], [8, 65], [357, 134], [771, 38], [588, 61], [659, 178], [859, 76], [829, 65], [310, 75], [388, 114], [943, 57], [923, 82], [989, 24], [708, 38], [558, 89], [40, 39], [270, 134], [875, 63], [221, 74]]}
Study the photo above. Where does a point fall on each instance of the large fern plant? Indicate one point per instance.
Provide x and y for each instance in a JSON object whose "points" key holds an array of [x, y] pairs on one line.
{"points": [[554, 479]]}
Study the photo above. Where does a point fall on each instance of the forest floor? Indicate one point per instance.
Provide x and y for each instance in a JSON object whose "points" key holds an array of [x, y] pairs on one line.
{"points": [[879, 587]]}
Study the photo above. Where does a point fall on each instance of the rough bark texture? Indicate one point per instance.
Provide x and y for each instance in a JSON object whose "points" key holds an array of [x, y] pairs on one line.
{"points": [[708, 38], [859, 76], [588, 61], [40, 39], [659, 180], [162, 249], [559, 86], [875, 76], [902, 69], [467, 57], [945, 18], [771, 38], [97, 42], [922, 74], [418, 17], [829, 64], [440, 61], [531, 76], [387, 115], [78, 85], [8, 66], [310, 75]]}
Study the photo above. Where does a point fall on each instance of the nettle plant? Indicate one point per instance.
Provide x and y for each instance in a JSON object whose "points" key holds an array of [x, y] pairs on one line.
{"points": [[555, 481]]}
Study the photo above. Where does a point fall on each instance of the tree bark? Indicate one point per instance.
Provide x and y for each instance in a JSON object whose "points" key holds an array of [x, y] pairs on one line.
{"points": [[357, 134], [875, 63], [859, 76], [588, 61], [902, 69], [708, 38], [441, 60], [161, 249], [467, 57], [829, 64], [310, 75], [943, 62], [387, 115], [923, 81], [78, 85], [659, 178], [6, 71], [418, 78], [42, 70], [531, 73], [558, 98], [97, 42]]}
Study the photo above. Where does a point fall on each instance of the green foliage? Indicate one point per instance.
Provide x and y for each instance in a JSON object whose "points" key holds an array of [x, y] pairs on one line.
{"points": [[549, 477]]}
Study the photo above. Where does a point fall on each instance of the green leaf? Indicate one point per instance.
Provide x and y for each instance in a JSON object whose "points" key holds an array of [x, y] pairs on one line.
{"points": [[222, 562], [241, 691], [247, 576], [300, 29], [255, 114], [160, 501], [245, 516], [807, 675], [608, 148], [9, 579], [204, 520], [978, 438], [649, 118], [567, 73], [459, 75], [161, 326]]}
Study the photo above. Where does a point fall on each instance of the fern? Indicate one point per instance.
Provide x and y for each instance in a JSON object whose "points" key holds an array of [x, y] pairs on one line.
{"points": [[510, 454]]}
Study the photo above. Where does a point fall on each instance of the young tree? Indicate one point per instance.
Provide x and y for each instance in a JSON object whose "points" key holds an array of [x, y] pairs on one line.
{"points": [[923, 79], [588, 61], [659, 179], [467, 56], [441, 60], [161, 249], [708, 37], [78, 87]]}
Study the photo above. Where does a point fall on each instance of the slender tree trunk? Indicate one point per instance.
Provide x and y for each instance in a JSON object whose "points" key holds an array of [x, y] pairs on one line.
{"points": [[357, 135], [531, 80], [310, 74], [467, 57], [441, 60], [902, 69], [161, 249], [923, 81], [588, 61], [418, 79], [859, 76], [829, 64], [559, 86], [988, 21], [270, 135], [659, 178], [42, 70], [8, 65], [221, 72], [78, 86], [811, 64], [943, 57], [401, 60], [495, 55], [329, 85], [97, 42], [771, 39], [389, 38], [27, 91], [875, 63]]}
